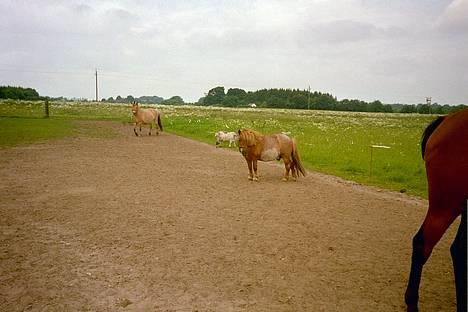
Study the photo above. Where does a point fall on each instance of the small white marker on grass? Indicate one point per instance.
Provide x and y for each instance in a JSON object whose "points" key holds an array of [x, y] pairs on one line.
{"points": [[371, 149]]}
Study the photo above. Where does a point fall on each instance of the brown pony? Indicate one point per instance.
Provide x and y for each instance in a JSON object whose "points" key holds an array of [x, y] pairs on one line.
{"points": [[255, 146], [146, 116], [445, 151]]}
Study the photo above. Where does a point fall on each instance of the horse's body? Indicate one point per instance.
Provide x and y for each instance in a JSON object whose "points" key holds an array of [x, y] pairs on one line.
{"points": [[254, 147], [445, 151], [146, 117], [230, 137]]}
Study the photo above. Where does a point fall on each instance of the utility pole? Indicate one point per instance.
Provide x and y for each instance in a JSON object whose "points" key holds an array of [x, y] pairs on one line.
{"points": [[428, 102], [96, 87], [308, 100]]}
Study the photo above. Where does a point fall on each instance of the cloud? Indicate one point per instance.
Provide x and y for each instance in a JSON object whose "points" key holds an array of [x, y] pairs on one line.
{"points": [[454, 20], [352, 48]]}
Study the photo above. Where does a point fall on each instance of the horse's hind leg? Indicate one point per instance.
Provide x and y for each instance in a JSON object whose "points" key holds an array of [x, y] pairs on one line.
{"points": [[434, 226], [151, 128], [293, 171], [458, 251], [287, 167], [156, 126]]}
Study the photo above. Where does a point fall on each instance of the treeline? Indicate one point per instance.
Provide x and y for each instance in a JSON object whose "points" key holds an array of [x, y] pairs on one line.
{"points": [[146, 99], [269, 98], [19, 93], [427, 109], [302, 99]]}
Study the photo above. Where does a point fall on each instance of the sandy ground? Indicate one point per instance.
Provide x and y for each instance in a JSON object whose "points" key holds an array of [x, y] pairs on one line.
{"points": [[164, 223]]}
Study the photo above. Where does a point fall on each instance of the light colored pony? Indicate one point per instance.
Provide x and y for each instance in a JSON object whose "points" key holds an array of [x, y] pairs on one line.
{"points": [[230, 137], [146, 116], [255, 146]]}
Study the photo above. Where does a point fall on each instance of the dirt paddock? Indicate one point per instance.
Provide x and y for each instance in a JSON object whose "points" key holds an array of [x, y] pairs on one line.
{"points": [[164, 223]]}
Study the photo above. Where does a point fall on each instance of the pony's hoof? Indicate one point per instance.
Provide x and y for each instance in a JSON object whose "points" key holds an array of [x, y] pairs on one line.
{"points": [[255, 179], [284, 179], [250, 178]]}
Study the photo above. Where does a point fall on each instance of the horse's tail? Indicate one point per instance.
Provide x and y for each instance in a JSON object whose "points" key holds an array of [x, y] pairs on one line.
{"points": [[427, 133], [297, 159], [159, 122]]}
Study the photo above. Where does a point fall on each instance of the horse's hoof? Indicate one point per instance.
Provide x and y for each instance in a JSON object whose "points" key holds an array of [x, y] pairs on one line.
{"points": [[412, 308], [255, 179], [284, 179], [250, 178]]}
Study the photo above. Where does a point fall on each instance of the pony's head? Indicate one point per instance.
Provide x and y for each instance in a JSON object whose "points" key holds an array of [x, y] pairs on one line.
{"points": [[134, 107], [248, 138]]}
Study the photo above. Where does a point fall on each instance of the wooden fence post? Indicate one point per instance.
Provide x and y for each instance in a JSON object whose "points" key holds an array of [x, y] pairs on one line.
{"points": [[46, 109]]}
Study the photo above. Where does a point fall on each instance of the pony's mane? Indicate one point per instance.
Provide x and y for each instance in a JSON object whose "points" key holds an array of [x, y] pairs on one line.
{"points": [[427, 133], [251, 137]]}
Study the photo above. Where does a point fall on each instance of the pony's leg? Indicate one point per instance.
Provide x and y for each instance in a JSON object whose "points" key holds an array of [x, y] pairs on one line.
{"points": [[151, 128], [458, 251], [140, 129], [293, 171], [434, 226], [134, 129], [249, 164], [255, 178], [287, 167]]}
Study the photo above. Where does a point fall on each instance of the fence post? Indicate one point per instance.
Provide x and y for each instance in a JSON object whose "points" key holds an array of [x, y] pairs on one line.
{"points": [[46, 109]]}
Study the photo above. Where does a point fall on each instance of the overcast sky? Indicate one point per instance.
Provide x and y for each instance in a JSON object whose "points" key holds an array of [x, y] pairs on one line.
{"points": [[395, 51]]}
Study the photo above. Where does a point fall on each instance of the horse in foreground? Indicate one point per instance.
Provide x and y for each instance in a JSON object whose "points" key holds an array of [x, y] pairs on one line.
{"points": [[230, 137], [255, 146], [146, 116], [445, 152]]}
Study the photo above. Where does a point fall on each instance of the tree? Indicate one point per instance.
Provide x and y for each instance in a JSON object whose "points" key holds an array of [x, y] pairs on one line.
{"points": [[175, 100], [214, 96], [129, 99], [375, 106], [18, 93], [236, 92]]}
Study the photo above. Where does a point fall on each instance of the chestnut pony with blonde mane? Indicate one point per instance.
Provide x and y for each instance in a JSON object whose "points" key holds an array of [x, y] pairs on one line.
{"points": [[445, 152], [255, 146], [147, 117]]}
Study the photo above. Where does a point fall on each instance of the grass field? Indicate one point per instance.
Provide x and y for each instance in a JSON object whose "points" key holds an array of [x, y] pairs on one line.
{"points": [[337, 143]]}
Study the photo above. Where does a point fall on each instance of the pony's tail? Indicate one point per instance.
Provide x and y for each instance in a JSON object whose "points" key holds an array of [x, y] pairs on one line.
{"points": [[297, 160], [159, 122], [427, 133]]}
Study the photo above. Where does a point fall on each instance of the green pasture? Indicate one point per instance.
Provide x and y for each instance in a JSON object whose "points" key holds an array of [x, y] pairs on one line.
{"points": [[14, 131], [337, 143]]}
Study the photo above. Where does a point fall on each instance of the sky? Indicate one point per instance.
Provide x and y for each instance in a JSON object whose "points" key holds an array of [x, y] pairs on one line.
{"points": [[395, 51]]}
